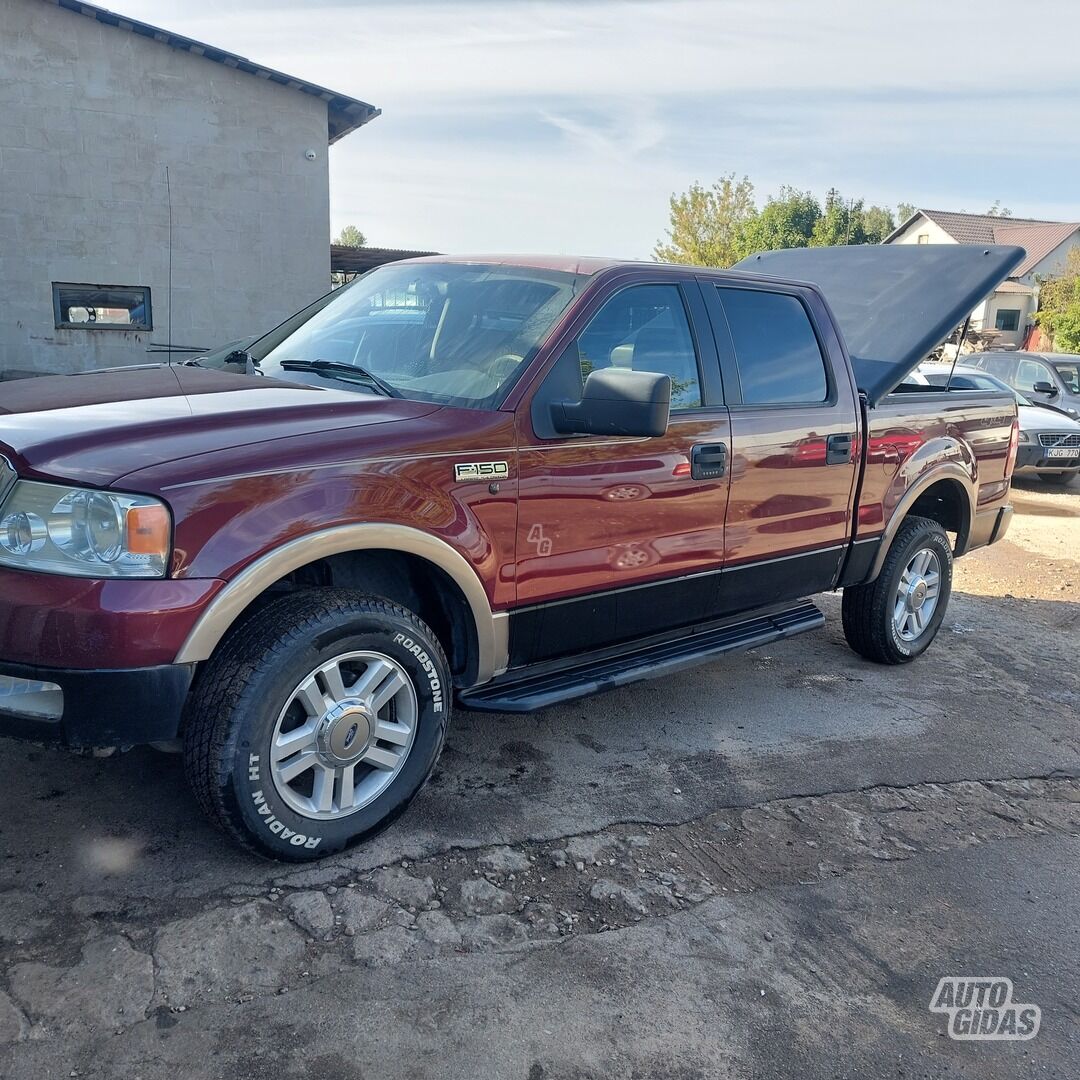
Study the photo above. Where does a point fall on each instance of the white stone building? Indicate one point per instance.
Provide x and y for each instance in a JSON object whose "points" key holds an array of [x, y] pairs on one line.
{"points": [[1008, 313]]}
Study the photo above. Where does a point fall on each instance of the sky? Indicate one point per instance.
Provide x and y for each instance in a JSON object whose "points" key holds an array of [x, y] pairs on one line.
{"points": [[565, 125]]}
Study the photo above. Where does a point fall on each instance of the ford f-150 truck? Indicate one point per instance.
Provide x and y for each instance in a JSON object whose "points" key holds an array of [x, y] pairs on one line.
{"points": [[501, 483]]}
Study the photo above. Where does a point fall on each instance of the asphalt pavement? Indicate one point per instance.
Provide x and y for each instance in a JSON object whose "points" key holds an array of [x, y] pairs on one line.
{"points": [[761, 867]]}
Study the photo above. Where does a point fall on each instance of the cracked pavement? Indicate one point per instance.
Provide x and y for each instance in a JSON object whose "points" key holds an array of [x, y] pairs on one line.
{"points": [[759, 867]]}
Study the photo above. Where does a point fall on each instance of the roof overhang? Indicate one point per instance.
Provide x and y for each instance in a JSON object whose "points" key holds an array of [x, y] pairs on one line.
{"points": [[344, 113], [359, 260]]}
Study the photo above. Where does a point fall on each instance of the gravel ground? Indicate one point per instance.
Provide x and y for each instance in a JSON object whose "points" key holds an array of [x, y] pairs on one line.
{"points": [[758, 868]]}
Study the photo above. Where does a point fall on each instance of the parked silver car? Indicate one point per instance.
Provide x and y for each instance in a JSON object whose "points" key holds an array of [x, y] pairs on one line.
{"points": [[1044, 378], [1049, 438]]}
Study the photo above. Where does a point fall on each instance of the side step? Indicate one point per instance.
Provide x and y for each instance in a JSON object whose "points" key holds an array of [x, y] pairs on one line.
{"points": [[521, 692]]}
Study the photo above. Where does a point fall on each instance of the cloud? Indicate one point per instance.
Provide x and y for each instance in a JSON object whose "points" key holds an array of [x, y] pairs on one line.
{"points": [[565, 125]]}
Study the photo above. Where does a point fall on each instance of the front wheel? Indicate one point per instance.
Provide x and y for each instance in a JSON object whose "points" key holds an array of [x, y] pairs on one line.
{"points": [[893, 618], [317, 722]]}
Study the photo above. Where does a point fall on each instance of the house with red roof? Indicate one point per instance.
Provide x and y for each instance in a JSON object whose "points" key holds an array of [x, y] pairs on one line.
{"points": [[1008, 314]]}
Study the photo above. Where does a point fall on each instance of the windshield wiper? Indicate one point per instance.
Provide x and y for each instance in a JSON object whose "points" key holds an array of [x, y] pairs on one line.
{"points": [[336, 366]]}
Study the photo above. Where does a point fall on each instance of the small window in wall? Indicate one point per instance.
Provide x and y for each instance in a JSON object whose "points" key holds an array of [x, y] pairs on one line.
{"points": [[101, 307], [924, 238], [1007, 319]]}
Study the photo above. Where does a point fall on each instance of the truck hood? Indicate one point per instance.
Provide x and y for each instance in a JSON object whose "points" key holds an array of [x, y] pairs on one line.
{"points": [[893, 303], [92, 429]]}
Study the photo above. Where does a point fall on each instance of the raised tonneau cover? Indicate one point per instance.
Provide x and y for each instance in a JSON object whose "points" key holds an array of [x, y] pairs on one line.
{"points": [[893, 303]]}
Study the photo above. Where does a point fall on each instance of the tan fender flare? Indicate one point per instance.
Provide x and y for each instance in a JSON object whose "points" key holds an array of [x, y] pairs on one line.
{"points": [[491, 629], [949, 470]]}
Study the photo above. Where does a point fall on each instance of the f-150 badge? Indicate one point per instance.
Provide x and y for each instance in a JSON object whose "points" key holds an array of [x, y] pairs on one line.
{"points": [[482, 470]]}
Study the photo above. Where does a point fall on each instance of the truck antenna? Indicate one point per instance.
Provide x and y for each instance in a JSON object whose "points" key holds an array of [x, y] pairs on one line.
{"points": [[959, 345], [168, 189]]}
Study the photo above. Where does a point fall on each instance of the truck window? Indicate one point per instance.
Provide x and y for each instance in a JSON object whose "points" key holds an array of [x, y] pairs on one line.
{"points": [[644, 328], [776, 350]]}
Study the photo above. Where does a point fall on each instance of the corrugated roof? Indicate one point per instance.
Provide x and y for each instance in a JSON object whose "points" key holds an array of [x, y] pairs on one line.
{"points": [[977, 228], [1037, 240], [344, 113], [359, 260]]}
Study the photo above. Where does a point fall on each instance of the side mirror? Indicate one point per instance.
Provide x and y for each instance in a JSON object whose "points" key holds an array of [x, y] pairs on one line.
{"points": [[1045, 388], [616, 402]]}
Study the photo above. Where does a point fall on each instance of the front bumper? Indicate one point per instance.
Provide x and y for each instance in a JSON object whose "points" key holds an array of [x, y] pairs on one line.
{"points": [[86, 623], [1032, 458], [87, 708]]}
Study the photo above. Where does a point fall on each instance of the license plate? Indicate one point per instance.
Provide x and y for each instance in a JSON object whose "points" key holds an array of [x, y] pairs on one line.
{"points": [[1063, 451]]}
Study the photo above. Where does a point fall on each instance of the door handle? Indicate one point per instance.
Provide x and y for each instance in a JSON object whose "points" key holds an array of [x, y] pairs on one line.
{"points": [[708, 461], [838, 449]]}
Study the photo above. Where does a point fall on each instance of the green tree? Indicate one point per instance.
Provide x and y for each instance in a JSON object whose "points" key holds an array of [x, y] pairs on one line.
{"points": [[997, 210], [841, 223], [707, 223], [717, 226], [787, 220], [1059, 305], [351, 236], [904, 211], [877, 223]]}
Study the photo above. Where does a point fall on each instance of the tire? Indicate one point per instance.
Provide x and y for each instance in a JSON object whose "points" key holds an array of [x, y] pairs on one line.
{"points": [[271, 684], [1059, 478], [874, 625]]}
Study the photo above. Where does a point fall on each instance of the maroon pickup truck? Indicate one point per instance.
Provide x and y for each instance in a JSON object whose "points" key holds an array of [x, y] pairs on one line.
{"points": [[502, 483]]}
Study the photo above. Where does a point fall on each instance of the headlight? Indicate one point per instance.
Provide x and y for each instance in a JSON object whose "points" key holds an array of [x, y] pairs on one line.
{"points": [[1025, 437], [84, 533]]}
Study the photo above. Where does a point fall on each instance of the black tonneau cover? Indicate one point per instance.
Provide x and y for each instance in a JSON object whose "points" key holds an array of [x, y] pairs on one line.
{"points": [[893, 303]]}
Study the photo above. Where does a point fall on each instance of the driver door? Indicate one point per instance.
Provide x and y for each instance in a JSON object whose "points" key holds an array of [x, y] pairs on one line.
{"points": [[617, 538]]}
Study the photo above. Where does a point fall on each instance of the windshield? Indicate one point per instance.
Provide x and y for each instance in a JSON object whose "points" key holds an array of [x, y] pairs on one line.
{"points": [[1070, 375], [454, 333]]}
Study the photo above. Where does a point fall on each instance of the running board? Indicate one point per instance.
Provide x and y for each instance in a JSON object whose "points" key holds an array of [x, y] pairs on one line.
{"points": [[525, 693]]}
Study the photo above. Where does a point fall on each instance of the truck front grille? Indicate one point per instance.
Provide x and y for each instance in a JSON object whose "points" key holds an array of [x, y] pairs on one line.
{"points": [[1060, 440]]}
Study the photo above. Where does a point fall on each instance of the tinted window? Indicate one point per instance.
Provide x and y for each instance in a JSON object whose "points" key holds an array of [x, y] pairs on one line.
{"points": [[644, 328], [1007, 319], [777, 352]]}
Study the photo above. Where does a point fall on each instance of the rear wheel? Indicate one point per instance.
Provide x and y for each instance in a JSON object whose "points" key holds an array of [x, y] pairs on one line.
{"points": [[893, 618], [317, 722]]}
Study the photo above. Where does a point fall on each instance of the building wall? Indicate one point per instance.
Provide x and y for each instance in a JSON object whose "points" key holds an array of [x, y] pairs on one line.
{"points": [[1024, 303], [1054, 263], [923, 226], [90, 116]]}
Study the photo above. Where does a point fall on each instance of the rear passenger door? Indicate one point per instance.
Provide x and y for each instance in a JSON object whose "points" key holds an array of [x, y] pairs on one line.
{"points": [[794, 425]]}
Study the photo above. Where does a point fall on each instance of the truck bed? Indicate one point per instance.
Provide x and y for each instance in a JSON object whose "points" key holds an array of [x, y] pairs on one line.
{"points": [[913, 429]]}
